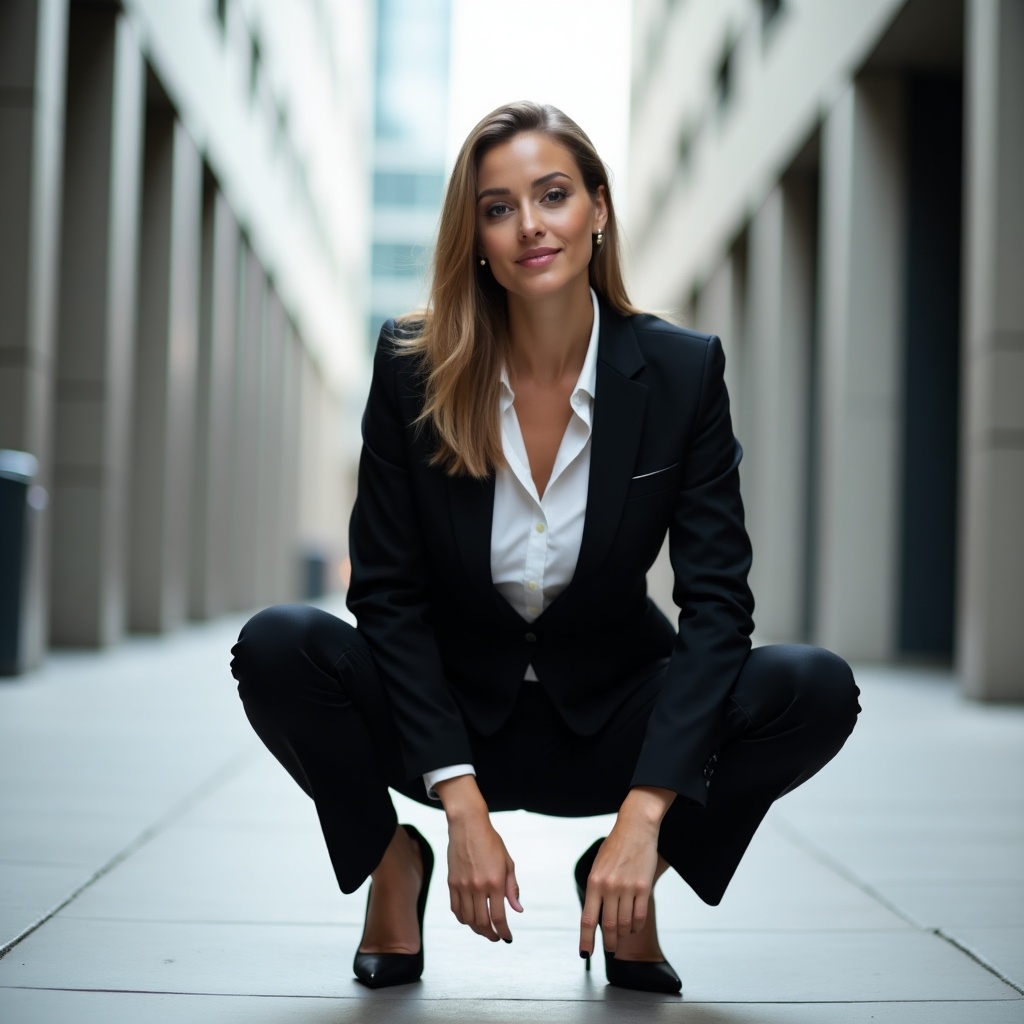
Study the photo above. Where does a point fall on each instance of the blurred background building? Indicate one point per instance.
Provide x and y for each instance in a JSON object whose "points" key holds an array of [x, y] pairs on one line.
{"points": [[208, 208], [185, 206], [412, 76], [835, 188]]}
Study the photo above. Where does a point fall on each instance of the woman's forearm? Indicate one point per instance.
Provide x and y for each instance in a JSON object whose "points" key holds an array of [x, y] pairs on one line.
{"points": [[461, 799], [645, 807]]}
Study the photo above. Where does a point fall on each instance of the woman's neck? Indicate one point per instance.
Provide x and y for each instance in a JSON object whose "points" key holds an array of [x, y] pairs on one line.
{"points": [[548, 338]]}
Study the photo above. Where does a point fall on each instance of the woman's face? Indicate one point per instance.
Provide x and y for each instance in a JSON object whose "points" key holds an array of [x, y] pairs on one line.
{"points": [[535, 218]]}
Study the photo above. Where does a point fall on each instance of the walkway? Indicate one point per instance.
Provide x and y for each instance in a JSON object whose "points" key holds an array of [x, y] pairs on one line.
{"points": [[157, 866]]}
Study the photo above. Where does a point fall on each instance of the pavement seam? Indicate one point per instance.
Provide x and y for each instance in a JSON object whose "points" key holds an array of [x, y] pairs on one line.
{"points": [[228, 770], [812, 849], [643, 1000], [957, 944]]}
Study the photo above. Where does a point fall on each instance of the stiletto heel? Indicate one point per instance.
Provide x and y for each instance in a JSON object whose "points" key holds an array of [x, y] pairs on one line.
{"points": [[642, 975], [381, 970]]}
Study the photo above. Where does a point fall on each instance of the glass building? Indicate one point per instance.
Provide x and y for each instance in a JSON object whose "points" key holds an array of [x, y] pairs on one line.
{"points": [[410, 124]]}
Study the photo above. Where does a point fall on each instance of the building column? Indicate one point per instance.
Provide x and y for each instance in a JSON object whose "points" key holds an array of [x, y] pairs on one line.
{"points": [[270, 523], [718, 309], [246, 435], [781, 275], [721, 310], [33, 40], [99, 251], [859, 385], [990, 640], [312, 459], [291, 464], [167, 339], [211, 462]]}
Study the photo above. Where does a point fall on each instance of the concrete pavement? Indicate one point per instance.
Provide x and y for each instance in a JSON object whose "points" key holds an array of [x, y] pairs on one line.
{"points": [[157, 865]]}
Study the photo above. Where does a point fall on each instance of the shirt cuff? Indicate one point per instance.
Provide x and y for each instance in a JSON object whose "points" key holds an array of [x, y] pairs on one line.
{"points": [[431, 779]]}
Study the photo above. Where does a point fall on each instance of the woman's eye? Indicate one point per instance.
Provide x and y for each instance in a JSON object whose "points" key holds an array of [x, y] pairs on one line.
{"points": [[555, 195], [498, 209]]}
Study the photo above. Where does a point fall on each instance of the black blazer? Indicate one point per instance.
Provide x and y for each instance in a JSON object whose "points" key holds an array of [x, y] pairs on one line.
{"points": [[451, 650]]}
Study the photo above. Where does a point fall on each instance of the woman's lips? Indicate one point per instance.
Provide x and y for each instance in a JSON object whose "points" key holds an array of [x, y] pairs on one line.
{"points": [[537, 257]]}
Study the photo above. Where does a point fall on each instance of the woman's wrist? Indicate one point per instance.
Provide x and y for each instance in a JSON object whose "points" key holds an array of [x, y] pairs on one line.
{"points": [[646, 806], [461, 798]]}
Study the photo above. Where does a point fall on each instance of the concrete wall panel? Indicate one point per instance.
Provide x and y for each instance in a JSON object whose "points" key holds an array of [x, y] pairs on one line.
{"points": [[210, 500], [99, 248], [165, 375], [859, 386], [990, 641]]}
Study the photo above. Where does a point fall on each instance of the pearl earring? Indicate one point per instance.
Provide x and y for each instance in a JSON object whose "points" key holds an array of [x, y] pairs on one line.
{"points": [[483, 262], [599, 240]]}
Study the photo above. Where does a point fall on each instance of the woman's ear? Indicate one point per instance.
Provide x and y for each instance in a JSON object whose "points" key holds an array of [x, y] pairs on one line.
{"points": [[600, 208]]}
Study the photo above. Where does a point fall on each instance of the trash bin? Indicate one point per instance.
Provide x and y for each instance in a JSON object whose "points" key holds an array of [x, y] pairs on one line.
{"points": [[314, 573], [18, 495]]}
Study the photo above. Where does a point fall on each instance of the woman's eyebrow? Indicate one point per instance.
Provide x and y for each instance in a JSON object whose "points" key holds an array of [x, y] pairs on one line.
{"points": [[543, 180]]}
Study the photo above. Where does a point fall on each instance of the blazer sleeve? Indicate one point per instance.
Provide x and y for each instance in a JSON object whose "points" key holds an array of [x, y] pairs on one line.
{"points": [[710, 554], [390, 589]]}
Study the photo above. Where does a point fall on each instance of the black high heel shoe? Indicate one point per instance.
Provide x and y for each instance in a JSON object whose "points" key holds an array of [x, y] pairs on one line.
{"points": [[381, 970], [642, 975]]}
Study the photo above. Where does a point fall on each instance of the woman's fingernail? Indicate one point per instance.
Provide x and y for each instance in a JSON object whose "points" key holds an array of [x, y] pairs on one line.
{"points": [[507, 941], [584, 955]]}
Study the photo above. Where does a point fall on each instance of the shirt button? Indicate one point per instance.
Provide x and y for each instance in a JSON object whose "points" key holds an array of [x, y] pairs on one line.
{"points": [[540, 527], [530, 638], [533, 609], [532, 585]]}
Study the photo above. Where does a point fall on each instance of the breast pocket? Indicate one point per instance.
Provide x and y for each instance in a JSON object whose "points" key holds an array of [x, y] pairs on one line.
{"points": [[653, 483]]}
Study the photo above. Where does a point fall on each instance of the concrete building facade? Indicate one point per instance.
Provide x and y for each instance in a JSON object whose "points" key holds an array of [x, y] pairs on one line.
{"points": [[184, 190], [834, 188]]}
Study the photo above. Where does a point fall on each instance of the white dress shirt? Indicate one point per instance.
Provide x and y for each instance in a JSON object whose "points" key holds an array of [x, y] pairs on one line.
{"points": [[535, 540]]}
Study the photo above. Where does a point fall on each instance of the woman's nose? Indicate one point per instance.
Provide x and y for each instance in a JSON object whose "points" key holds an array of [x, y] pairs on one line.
{"points": [[530, 224]]}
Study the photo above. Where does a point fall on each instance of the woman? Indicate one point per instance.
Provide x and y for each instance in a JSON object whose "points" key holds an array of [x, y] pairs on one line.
{"points": [[528, 443]]}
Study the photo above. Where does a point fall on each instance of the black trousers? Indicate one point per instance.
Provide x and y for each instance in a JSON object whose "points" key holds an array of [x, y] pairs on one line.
{"points": [[310, 689]]}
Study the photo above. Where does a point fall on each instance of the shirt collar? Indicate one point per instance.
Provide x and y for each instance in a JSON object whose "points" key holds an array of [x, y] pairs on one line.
{"points": [[586, 383]]}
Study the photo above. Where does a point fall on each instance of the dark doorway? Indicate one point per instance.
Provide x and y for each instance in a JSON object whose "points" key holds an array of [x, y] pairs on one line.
{"points": [[931, 395]]}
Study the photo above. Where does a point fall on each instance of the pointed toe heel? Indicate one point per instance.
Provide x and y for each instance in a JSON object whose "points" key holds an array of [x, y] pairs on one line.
{"points": [[640, 975], [382, 970]]}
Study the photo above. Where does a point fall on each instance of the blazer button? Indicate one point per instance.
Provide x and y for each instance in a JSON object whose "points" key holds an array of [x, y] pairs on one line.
{"points": [[530, 638]]}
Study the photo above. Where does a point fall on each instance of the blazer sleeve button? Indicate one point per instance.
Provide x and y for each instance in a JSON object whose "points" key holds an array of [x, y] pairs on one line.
{"points": [[530, 638]]}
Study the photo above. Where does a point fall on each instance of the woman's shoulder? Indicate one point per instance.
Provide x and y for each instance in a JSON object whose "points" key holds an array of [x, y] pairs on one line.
{"points": [[401, 332], [669, 348], [658, 330], [398, 361], [398, 343]]}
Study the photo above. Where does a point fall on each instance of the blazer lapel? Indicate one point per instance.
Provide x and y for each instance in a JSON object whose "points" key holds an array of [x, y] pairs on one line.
{"points": [[619, 407], [472, 507]]}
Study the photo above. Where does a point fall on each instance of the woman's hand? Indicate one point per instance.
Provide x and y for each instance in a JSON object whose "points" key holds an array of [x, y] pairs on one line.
{"points": [[481, 875], [624, 870]]}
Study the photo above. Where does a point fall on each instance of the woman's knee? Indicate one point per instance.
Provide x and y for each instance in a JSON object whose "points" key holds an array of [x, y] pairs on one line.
{"points": [[804, 681], [824, 684], [288, 640]]}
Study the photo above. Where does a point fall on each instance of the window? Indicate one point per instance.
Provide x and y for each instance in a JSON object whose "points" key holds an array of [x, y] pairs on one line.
{"points": [[402, 188], [724, 76], [255, 59], [770, 9], [393, 259], [684, 149], [280, 127]]}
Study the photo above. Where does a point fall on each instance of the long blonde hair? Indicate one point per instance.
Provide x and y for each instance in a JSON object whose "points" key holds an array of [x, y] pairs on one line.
{"points": [[463, 335]]}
